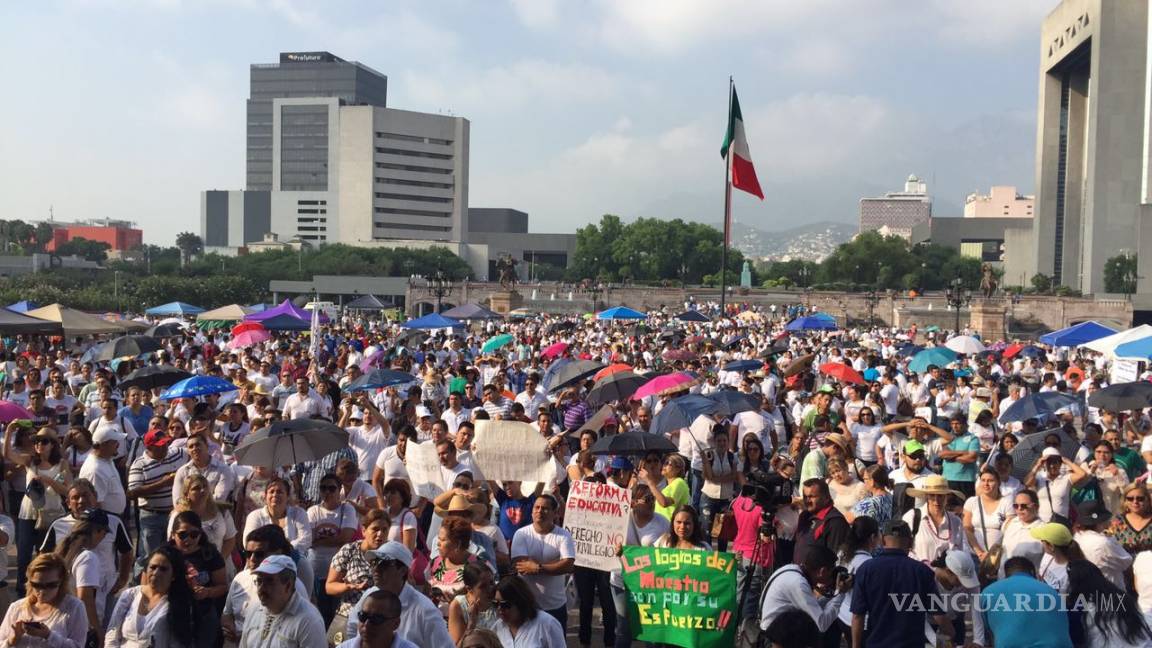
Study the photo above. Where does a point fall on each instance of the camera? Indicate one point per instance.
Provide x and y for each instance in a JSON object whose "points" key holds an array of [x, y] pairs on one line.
{"points": [[769, 491]]}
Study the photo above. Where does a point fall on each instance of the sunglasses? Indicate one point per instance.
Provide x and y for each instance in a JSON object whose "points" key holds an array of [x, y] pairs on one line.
{"points": [[502, 605], [374, 619], [191, 534], [329, 488], [41, 587], [1020, 507], [1136, 499], [42, 442]]}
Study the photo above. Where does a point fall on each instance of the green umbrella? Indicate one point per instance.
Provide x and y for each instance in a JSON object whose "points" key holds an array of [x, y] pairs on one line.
{"points": [[496, 343], [932, 329]]}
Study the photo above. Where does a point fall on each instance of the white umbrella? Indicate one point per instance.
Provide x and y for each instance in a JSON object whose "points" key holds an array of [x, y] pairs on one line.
{"points": [[965, 344]]}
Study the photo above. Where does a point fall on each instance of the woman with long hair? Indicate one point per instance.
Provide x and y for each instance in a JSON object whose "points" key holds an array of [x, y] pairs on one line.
{"points": [[91, 579], [473, 609], [846, 490], [862, 539], [521, 621], [685, 531], [1111, 479], [50, 615], [280, 511], [1112, 618], [1133, 529], [205, 573], [48, 478], [158, 613], [752, 455], [397, 504], [218, 526], [985, 513], [351, 570], [1059, 550]]}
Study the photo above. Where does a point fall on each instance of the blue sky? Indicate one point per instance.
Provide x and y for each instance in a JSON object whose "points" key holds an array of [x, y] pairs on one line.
{"points": [[129, 108]]}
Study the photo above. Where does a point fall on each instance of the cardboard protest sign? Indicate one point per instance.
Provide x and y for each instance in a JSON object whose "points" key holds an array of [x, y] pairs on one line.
{"points": [[423, 464], [597, 517], [682, 597], [511, 451]]}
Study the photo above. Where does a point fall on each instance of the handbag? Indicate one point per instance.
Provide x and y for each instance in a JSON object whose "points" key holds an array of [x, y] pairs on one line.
{"points": [[989, 568], [724, 526]]}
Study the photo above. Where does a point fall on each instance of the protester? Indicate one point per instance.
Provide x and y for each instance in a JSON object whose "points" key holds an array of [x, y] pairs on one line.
{"points": [[1111, 616], [1034, 617], [283, 618], [159, 612], [543, 553], [522, 623]]}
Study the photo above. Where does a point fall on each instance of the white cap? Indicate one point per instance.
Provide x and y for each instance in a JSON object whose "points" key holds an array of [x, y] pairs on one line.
{"points": [[393, 550], [422, 411], [276, 564], [357, 413], [961, 564], [108, 433], [1050, 452]]}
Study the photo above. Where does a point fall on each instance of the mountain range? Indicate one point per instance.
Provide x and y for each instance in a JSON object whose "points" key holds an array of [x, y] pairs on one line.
{"points": [[813, 241]]}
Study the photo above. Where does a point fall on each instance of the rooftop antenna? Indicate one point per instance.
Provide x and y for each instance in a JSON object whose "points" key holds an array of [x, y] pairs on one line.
{"points": [[51, 217]]}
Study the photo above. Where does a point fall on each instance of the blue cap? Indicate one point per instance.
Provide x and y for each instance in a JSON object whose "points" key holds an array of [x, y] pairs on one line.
{"points": [[621, 463]]}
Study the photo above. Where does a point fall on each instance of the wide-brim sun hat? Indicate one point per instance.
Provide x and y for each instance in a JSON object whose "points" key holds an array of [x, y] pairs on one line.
{"points": [[934, 485]]}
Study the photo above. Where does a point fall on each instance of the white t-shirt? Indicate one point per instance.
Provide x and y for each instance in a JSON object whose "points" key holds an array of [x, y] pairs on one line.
{"points": [[866, 436], [327, 524], [103, 475], [1142, 571], [1060, 491], [645, 536], [1053, 573], [545, 548], [367, 444], [88, 572], [404, 522], [992, 521], [392, 465]]}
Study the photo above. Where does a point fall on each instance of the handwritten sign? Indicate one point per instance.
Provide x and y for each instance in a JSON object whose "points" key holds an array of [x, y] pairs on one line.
{"points": [[512, 451], [423, 464], [682, 597], [597, 517]]}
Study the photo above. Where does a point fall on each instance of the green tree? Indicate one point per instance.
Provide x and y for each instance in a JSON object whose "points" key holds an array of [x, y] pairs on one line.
{"points": [[1042, 282], [84, 248], [1120, 274], [191, 245]]}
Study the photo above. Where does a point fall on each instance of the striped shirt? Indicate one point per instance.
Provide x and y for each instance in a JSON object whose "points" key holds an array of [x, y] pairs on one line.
{"points": [[501, 408], [145, 470]]}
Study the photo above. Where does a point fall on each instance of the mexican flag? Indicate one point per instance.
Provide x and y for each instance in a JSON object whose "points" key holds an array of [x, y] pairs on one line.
{"points": [[736, 143]]}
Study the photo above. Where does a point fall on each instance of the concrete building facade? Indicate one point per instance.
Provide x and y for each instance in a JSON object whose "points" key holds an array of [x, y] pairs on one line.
{"points": [[897, 212], [1094, 131], [1001, 202]]}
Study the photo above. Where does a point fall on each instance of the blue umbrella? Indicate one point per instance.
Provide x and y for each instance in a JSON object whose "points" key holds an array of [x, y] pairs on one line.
{"points": [[1040, 404], [871, 374], [1139, 348], [1032, 352], [732, 402], [744, 365], [379, 378], [909, 350], [23, 306], [176, 308], [939, 356], [680, 412], [197, 386], [1081, 333], [811, 323], [620, 313], [692, 316], [550, 373], [432, 321]]}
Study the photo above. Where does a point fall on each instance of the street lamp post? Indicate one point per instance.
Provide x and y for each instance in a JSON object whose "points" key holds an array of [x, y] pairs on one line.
{"points": [[957, 297], [439, 286], [871, 298], [595, 290]]}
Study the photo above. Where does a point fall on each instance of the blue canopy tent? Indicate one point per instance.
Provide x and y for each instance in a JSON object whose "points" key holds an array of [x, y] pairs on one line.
{"points": [[1139, 348], [431, 321], [620, 313], [692, 316], [1081, 333], [174, 309], [23, 306], [812, 323]]}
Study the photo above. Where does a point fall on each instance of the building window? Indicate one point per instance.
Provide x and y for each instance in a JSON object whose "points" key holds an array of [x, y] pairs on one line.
{"points": [[417, 169], [408, 226], [413, 212], [395, 151], [414, 183], [392, 196]]}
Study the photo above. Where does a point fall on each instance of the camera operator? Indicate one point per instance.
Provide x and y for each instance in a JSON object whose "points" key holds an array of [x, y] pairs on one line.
{"points": [[796, 586]]}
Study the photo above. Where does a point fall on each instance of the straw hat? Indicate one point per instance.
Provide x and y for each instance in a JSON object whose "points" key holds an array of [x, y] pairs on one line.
{"points": [[934, 485], [460, 504], [838, 440]]}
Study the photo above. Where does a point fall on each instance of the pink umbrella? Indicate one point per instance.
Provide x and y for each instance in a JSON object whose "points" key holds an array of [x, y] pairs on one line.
{"points": [[249, 338], [374, 359], [666, 384], [10, 411], [554, 350]]}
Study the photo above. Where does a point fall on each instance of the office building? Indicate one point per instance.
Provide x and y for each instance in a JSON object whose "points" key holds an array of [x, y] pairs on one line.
{"points": [[119, 235], [1001, 202], [976, 238], [505, 231], [1093, 177], [897, 212]]}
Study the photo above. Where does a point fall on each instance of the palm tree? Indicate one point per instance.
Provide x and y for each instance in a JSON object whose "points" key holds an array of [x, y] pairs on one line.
{"points": [[190, 245]]}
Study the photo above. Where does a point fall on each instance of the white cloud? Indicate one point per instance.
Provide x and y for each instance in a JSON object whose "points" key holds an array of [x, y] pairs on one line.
{"points": [[817, 57], [536, 14], [521, 85], [988, 22]]}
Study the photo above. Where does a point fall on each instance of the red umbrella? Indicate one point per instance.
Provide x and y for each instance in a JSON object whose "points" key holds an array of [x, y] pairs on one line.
{"points": [[250, 338], [554, 350], [842, 372], [1011, 350], [246, 326], [666, 384], [612, 369]]}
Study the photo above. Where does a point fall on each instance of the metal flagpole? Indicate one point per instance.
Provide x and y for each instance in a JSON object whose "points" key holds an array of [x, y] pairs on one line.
{"points": [[727, 206]]}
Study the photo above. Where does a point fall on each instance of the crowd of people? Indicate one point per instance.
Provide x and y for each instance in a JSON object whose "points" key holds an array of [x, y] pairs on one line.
{"points": [[868, 504]]}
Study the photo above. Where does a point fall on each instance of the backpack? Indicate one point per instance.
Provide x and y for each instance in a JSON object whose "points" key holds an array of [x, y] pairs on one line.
{"points": [[902, 502]]}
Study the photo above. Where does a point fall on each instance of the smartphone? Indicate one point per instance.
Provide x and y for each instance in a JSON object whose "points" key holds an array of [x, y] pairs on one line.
{"points": [[34, 625]]}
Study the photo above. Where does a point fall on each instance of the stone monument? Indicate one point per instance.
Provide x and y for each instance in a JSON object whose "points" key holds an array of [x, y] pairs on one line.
{"points": [[746, 276], [988, 317], [507, 299]]}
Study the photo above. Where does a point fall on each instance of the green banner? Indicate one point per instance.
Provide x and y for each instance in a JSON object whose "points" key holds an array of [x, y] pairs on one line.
{"points": [[682, 597]]}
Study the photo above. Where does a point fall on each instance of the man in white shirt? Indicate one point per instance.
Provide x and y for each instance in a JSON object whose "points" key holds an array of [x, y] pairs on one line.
{"points": [[543, 553], [302, 404], [455, 414], [284, 618], [390, 463], [791, 588], [1099, 549], [99, 469], [531, 398], [378, 620], [420, 619], [368, 431]]}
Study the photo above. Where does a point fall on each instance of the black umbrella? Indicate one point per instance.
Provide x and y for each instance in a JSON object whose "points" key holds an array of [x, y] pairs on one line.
{"points": [[1025, 454], [671, 337], [285, 443], [734, 342], [1123, 396], [732, 402], [640, 329], [571, 373], [153, 376], [614, 387], [556, 327], [632, 444], [679, 413], [127, 345], [692, 316], [1038, 405], [171, 329]]}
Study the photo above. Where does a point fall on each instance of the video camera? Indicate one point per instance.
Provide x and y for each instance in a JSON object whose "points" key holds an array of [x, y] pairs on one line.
{"points": [[769, 491]]}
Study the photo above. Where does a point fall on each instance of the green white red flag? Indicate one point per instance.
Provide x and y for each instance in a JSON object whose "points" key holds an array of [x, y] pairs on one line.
{"points": [[736, 144]]}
